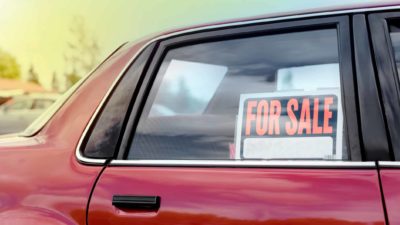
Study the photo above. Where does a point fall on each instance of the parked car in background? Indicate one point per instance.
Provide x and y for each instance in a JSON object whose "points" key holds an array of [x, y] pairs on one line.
{"points": [[4, 99], [287, 119], [17, 113]]}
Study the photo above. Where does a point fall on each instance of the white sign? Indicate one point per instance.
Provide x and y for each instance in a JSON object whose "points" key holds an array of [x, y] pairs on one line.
{"points": [[290, 125]]}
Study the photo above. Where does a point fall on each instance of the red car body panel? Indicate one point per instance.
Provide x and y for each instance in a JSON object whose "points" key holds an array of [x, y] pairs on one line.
{"points": [[41, 180], [240, 196], [390, 185]]}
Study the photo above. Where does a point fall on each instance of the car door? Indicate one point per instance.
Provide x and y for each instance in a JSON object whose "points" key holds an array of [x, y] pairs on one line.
{"points": [[245, 123], [384, 28]]}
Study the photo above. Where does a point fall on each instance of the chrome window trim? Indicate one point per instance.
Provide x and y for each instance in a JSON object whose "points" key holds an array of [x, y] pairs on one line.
{"points": [[87, 161], [329, 164], [389, 164], [247, 163]]}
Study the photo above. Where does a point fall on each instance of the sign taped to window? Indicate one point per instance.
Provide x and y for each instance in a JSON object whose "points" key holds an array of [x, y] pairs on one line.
{"points": [[290, 125]]}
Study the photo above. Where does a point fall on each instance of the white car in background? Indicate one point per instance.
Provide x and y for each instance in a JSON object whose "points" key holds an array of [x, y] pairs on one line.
{"points": [[20, 111]]}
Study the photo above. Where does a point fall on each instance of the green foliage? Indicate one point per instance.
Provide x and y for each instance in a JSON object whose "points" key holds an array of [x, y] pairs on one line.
{"points": [[33, 75], [55, 83], [9, 67], [72, 78], [82, 53]]}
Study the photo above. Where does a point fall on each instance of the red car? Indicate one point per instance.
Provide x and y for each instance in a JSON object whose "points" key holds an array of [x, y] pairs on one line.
{"points": [[290, 119]]}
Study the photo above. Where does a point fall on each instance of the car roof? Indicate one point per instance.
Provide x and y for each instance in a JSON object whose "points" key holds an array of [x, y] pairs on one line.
{"points": [[304, 9]]}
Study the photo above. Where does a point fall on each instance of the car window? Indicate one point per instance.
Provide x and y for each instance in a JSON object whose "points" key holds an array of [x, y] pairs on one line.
{"points": [[394, 29], [266, 97]]}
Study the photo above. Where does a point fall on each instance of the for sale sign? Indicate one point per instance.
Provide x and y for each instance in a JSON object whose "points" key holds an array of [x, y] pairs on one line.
{"points": [[290, 125]]}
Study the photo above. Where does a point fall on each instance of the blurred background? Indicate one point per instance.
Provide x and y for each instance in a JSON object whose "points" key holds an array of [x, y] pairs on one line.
{"points": [[47, 46]]}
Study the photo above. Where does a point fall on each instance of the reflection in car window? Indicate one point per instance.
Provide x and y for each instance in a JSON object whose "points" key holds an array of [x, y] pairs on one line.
{"points": [[196, 108], [187, 88], [308, 77], [394, 28]]}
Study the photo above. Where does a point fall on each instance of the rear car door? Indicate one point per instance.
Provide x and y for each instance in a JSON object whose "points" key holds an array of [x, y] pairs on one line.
{"points": [[251, 123], [385, 35]]}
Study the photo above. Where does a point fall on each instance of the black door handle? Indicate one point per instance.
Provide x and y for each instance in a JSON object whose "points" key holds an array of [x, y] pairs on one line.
{"points": [[136, 202]]}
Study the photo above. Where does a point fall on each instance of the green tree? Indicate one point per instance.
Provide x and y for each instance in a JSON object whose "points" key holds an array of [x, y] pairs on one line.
{"points": [[55, 82], [33, 76], [82, 52], [9, 67], [72, 78]]}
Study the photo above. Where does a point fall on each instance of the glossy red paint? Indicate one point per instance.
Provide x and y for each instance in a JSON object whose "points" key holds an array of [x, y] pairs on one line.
{"points": [[41, 180], [240, 196], [390, 184]]}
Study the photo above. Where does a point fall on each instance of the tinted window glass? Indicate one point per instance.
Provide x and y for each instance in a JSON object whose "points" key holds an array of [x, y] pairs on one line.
{"points": [[103, 140], [264, 97], [395, 37]]}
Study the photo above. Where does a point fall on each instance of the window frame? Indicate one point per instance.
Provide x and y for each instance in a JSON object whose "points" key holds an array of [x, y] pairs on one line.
{"points": [[389, 80], [374, 138], [122, 97], [340, 23]]}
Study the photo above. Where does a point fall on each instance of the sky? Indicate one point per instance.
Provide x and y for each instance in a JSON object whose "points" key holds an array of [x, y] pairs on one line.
{"points": [[37, 32]]}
